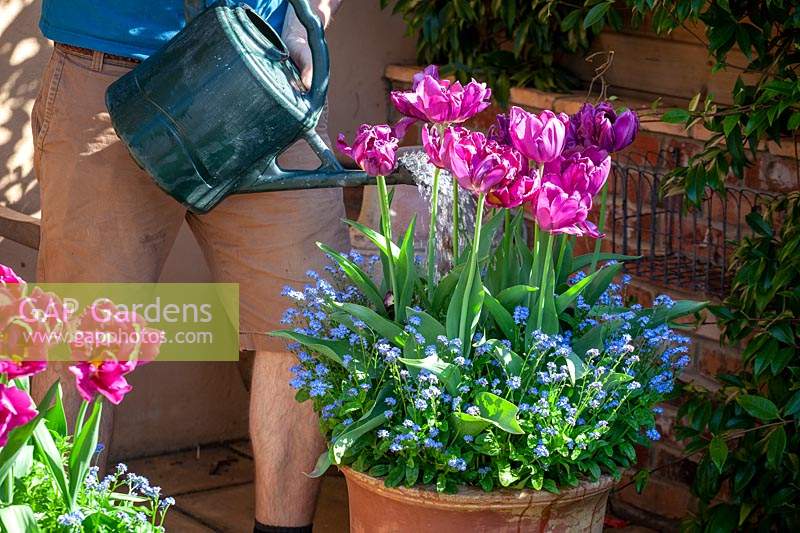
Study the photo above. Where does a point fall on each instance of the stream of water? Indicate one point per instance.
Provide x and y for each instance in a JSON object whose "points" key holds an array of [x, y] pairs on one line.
{"points": [[416, 162]]}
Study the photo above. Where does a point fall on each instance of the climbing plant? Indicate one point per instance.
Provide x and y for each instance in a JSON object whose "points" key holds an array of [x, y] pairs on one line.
{"points": [[747, 431]]}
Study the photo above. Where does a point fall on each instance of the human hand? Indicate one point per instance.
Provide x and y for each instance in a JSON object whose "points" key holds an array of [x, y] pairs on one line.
{"points": [[300, 53]]}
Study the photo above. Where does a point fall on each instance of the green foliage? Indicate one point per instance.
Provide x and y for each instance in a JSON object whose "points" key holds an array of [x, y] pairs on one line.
{"points": [[49, 483], [766, 108], [507, 43], [748, 430], [461, 388]]}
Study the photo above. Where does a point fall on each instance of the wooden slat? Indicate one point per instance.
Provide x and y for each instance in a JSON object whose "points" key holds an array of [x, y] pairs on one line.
{"points": [[656, 66], [19, 227]]}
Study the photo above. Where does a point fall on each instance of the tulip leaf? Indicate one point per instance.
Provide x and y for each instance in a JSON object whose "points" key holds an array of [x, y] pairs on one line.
{"points": [[446, 287], [500, 314], [585, 260], [447, 373], [600, 282], [510, 361], [47, 450], [566, 298], [662, 314], [488, 231], [369, 421], [469, 298], [376, 238], [575, 366], [357, 276], [499, 412], [332, 349], [55, 417], [125, 497], [324, 462], [380, 325], [593, 338], [428, 327], [83, 449], [18, 519], [18, 437], [406, 272], [513, 296]]}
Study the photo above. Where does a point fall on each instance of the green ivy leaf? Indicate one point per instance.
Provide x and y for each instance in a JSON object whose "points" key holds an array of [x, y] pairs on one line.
{"points": [[776, 444], [718, 451], [596, 14], [793, 405], [675, 116], [758, 407]]}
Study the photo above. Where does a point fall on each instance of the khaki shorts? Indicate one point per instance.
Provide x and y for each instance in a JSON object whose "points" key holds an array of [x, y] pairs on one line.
{"points": [[104, 220]]}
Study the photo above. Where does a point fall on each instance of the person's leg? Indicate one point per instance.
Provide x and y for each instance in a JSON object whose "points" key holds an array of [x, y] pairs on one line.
{"points": [[103, 220], [265, 242]]}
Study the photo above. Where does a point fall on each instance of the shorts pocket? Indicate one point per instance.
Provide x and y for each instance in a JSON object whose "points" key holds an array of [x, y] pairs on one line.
{"points": [[45, 101]]}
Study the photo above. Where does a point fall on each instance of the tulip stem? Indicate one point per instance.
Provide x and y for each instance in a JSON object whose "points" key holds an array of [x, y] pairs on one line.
{"points": [[506, 247], [600, 227], [534, 281], [562, 247], [455, 220], [544, 286], [432, 235], [471, 270], [386, 222]]}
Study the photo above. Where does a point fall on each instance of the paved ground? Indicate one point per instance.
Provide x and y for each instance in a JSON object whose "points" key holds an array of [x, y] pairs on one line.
{"points": [[213, 488]]}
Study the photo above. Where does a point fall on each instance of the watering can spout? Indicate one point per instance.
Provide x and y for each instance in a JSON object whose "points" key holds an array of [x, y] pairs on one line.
{"points": [[330, 174], [277, 179]]}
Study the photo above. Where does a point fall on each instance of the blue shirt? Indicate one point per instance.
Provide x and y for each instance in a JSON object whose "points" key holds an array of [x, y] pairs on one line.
{"points": [[129, 28]]}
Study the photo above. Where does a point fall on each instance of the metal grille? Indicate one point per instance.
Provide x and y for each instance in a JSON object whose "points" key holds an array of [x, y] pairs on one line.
{"points": [[680, 248]]}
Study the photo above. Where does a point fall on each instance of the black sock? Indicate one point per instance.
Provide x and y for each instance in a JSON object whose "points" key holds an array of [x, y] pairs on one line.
{"points": [[262, 528]]}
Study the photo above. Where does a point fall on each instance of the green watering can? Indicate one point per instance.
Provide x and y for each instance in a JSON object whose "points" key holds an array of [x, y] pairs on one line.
{"points": [[208, 114]]}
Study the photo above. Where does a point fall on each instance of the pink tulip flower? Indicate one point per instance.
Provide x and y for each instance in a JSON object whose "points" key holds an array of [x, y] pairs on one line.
{"points": [[564, 199], [7, 275], [557, 211], [16, 368], [106, 330], [16, 409], [479, 164], [435, 146], [439, 101], [577, 171], [537, 137], [106, 378], [600, 126], [513, 192], [374, 149]]}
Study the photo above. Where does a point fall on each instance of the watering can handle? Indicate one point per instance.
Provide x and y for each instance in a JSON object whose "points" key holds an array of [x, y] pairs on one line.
{"points": [[319, 52], [316, 41]]}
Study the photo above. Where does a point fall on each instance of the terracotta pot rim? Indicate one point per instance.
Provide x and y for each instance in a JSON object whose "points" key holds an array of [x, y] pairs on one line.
{"points": [[474, 498]]}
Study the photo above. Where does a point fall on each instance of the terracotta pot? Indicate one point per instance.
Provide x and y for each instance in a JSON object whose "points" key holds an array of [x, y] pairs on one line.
{"points": [[377, 509]]}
